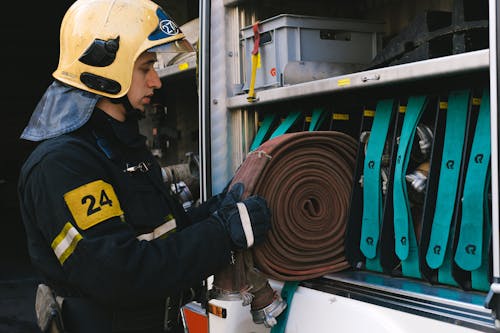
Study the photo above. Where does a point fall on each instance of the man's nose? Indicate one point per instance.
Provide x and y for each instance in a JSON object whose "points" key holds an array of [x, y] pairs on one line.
{"points": [[154, 80]]}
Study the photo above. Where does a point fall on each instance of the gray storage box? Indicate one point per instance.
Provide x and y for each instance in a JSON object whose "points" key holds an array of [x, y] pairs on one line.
{"points": [[286, 38]]}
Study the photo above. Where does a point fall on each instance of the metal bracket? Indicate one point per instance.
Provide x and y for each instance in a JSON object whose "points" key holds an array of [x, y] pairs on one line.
{"points": [[492, 301]]}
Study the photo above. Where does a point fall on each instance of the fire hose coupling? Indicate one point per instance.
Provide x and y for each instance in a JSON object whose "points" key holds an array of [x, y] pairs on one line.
{"points": [[242, 281], [384, 174], [418, 178], [364, 137], [426, 138], [183, 180], [268, 314], [417, 181]]}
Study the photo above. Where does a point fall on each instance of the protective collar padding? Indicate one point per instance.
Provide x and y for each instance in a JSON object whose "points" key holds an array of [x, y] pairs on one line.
{"points": [[61, 110]]}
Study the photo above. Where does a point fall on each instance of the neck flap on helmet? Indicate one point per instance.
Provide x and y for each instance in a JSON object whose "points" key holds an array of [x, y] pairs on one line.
{"points": [[62, 109]]}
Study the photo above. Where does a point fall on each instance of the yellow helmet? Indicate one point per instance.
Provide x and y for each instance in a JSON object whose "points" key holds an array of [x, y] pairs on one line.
{"points": [[101, 40]]}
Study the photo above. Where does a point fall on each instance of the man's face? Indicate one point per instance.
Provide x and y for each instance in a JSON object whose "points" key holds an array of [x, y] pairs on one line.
{"points": [[144, 81]]}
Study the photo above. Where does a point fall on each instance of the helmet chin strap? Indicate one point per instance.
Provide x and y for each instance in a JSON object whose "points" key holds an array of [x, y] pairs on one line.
{"points": [[130, 112]]}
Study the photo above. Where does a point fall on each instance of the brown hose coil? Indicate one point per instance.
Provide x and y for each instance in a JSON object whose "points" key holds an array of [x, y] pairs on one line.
{"points": [[307, 179]]}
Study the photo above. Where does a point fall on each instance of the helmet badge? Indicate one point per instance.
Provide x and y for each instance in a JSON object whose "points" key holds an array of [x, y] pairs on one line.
{"points": [[166, 27], [169, 27]]}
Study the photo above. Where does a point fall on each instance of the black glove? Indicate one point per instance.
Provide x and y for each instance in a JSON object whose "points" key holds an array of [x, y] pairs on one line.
{"points": [[247, 221], [205, 209], [208, 207]]}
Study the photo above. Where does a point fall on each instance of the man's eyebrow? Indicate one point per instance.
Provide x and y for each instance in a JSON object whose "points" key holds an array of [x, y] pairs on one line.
{"points": [[149, 61]]}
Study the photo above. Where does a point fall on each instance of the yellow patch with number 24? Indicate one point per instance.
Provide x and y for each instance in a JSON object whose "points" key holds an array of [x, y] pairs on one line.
{"points": [[93, 203]]}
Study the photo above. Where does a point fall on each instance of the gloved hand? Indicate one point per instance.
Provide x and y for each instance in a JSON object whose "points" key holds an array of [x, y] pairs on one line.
{"points": [[246, 221], [204, 210], [207, 208]]}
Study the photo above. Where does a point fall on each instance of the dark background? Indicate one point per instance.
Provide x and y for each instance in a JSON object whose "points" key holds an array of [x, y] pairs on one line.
{"points": [[29, 54]]}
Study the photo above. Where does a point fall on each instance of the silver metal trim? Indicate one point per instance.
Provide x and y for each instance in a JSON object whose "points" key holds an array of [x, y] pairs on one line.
{"points": [[432, 301], [204, 98], [494, 135], [220, 133], [232, 2], [174, 69], [438, 67]]}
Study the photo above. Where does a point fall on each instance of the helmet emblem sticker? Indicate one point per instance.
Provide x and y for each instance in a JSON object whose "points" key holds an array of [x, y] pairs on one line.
{"points": [[166, 27], [169, 27]]}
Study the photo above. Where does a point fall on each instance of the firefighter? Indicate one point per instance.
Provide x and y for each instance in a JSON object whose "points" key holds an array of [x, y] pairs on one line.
{"points": [[117, 252]]}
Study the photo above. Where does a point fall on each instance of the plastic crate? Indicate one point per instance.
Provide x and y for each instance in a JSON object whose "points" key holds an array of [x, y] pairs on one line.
{"points": [[286, 38]]}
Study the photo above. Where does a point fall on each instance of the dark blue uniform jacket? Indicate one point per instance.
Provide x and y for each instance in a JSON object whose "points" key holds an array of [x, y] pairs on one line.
{"points": [[82, 214]]}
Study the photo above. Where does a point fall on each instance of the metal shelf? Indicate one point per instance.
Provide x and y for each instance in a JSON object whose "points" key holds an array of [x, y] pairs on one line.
{"points": [[179, 68], [438, 67], [233, 2]]}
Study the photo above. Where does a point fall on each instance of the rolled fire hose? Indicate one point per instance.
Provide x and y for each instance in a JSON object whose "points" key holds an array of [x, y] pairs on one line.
{"points": [[306, 178]]}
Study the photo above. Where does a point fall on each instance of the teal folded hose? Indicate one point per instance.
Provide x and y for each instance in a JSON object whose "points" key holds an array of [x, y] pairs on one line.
{"points": [[372, 193], [470, 242], [265, 127], [475, 229], [287, 292], [480, 277], [406, 246], [263, 130], [317, 118], [442, 227], [285, 124]]}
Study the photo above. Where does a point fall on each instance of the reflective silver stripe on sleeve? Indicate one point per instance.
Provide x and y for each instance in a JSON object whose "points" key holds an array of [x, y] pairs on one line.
{"points": [[159, 231], [245, 222], [65, 243]]}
